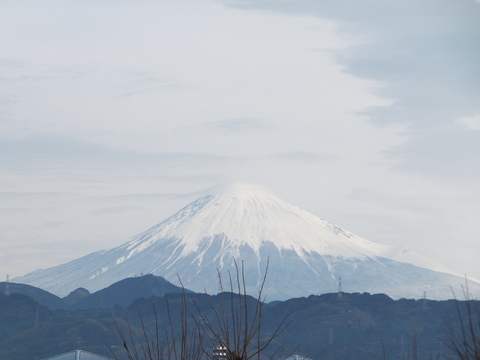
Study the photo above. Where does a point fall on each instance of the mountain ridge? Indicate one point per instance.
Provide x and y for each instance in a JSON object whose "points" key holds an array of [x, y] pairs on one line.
{"points": [[359, 326], [306, 254]]}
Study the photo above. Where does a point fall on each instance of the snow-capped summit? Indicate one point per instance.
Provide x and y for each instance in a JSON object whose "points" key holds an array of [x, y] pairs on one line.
{"points": [[249, 223], [250, 215]]}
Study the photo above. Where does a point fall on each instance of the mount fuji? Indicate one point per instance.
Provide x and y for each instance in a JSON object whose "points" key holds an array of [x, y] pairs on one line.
{"points": [[306, 254]]}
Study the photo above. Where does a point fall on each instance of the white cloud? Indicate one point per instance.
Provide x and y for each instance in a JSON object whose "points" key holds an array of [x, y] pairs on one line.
{"points": [[471, 122]]}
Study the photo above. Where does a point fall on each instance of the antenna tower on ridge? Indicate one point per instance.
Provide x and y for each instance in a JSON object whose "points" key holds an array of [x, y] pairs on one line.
{"points": [[340, 293], [7, 286]]}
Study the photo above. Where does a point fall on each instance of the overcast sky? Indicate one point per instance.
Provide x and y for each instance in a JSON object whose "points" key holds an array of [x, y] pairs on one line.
{"points": [[115, 114]]}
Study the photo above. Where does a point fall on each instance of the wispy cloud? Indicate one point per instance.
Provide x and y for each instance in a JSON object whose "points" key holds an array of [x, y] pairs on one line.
{"points": [[471, 122], [114, 210], [242, 126], [20, 210], [53, 224], [60, 149], [451, 155], [135, 83], [304, 156], [391, 200]]}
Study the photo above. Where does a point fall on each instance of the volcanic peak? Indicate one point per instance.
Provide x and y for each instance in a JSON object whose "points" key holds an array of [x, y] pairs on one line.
{"points": [[244, 214], [306, 254]]}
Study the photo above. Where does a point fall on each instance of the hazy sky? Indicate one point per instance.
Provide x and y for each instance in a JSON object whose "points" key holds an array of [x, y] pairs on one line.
{"points": [[115, 114]]}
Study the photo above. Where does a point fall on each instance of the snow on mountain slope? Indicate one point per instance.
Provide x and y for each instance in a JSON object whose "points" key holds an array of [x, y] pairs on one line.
{"points": [[250, 215], [407, 255], [246, 222]]}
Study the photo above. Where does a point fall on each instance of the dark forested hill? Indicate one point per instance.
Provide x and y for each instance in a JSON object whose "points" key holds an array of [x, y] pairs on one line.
{"points": [[41, 296], [357, 326], [125, 291]]}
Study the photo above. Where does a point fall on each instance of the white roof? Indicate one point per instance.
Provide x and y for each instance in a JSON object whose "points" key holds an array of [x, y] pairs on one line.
{"points": [[77, 355], [297, 357]]}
